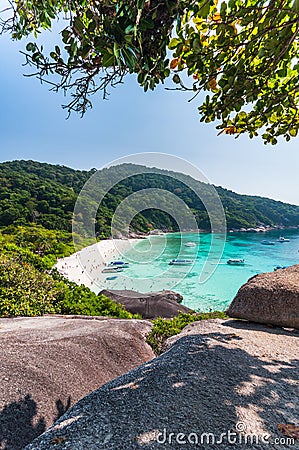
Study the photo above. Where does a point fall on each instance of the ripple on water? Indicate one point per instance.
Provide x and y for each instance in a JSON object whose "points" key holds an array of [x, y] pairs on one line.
{"points": [[218, 291]]}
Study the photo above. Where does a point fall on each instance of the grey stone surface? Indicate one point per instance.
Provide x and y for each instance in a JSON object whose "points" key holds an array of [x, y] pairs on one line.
{"points": [[150, 305], [215, 377], [271, 298], [48, 363]]}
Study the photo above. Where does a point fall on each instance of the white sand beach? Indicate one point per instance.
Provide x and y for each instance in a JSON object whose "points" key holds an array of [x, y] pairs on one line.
{"points": [[85, 267]]}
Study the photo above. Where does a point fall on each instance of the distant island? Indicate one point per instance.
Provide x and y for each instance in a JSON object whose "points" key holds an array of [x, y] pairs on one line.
{"points": [[45, 194]]}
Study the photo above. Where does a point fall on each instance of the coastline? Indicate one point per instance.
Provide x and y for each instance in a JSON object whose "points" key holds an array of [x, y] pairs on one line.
{"points": [[262, 229], [257, 229], [85, 267]]}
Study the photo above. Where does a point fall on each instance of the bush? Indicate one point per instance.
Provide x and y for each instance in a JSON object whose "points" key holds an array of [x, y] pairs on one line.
{"points": [[74, 299], [27, 256], [24, 291], [165, 328], [27, 289]]}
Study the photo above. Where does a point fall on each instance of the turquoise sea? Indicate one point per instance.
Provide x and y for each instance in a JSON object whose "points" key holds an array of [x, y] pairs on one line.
{"points": [[150, 271]]}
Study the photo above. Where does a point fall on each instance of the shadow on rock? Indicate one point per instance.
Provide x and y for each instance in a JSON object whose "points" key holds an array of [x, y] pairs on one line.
{"points": [[254, 326], [20, 424], [202, 384]]}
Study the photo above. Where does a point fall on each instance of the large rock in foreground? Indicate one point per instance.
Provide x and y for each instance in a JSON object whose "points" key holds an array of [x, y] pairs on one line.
{"points": [[150, 305], [271, 298], [49, 363], [217, 377]]}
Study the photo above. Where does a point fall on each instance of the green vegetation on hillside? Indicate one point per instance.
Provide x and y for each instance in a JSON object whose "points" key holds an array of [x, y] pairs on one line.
{"points": [[32, 192], [43, 194], [36, 211], [28, 286]]}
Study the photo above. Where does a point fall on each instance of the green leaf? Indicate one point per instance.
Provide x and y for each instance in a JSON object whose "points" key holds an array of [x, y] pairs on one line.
{"points": [[30, 47], [78, 24], [196, 44], [204, 10], [108, 60], [85, 50], [293, 132], [129, 58], [116, 50], [295, 6], [173, 43], [140, 77], [92, 26]]}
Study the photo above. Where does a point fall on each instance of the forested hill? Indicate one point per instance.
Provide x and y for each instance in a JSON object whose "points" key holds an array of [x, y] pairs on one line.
{"points": [[33, 192], [38, 192]]}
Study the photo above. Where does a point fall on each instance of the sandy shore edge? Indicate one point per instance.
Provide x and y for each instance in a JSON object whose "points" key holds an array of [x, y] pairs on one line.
{"points": [[85, 267]]}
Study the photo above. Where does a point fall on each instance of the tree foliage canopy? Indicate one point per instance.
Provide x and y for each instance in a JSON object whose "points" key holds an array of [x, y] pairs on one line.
{"points": [[29, 288], [26, 185], [242, 53]]}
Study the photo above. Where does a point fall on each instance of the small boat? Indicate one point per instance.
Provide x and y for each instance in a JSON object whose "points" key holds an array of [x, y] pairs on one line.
{"points": [[118, 264], [280, 267], [181, 262], [283, 239], [236, 262], [265, 242], [190, 244], [111, 278], [112, 269]]}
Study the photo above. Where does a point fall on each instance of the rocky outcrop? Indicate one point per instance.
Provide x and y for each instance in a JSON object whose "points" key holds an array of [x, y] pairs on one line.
{"points": [[217, 377], [48, 363], [271, 298], [150, 305]]}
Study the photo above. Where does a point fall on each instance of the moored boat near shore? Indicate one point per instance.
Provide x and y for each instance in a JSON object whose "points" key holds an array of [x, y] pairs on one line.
{"points": [[112, 269], [236, 262], [190, 244], [181, 262], [154, 276], [280, 267], [266, 242], [118, 264], [283, 239]]}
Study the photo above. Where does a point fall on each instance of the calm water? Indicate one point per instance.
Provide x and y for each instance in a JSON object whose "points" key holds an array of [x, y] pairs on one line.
{"points": [[149, 269]]}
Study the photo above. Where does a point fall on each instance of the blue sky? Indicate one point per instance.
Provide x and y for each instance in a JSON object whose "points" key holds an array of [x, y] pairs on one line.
{"points": [[34, 126]]}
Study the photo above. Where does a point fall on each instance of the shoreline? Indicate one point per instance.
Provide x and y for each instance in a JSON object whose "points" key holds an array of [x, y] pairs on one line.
{"points": [[262, 229], [85, 266], [257, 229]]}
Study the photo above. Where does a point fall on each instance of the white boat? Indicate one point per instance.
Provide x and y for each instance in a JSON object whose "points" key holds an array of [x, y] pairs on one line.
{"points": [[181, 262], [190, 244], [118, 264], [236, 262], [112, 269], [283, 239], [265, 242]]}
